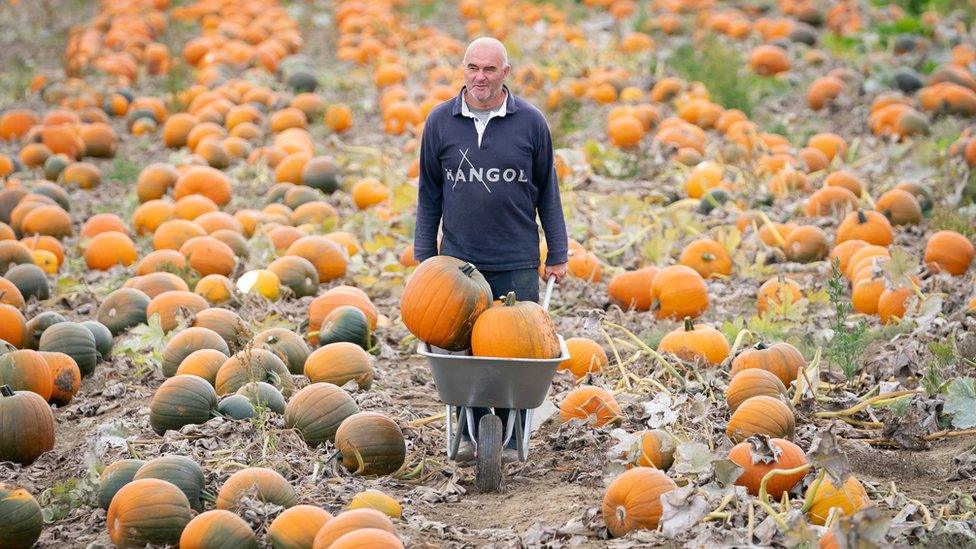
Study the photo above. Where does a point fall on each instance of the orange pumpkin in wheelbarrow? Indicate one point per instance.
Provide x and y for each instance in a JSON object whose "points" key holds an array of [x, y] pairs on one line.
{"points": [[515, 329]]}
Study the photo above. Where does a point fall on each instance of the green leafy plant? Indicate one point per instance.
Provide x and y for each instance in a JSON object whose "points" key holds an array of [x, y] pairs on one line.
{"points": [[723, 72], [848, 342]]}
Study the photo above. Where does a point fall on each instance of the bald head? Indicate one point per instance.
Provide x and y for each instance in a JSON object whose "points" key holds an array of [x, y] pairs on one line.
{"points": [[487, 47]]}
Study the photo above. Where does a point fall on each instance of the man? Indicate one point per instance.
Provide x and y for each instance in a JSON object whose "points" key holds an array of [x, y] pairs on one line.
{"points": [[486, 171]]}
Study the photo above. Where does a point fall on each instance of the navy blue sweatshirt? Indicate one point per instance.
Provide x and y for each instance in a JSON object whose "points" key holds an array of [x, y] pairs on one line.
{"points": [[487, 196]]}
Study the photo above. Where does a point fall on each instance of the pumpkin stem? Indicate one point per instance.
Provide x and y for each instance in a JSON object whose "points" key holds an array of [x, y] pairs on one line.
{"points": [[6, 391], [467, 269], [689, 326], [861, 218], [708, 256], [510, 299], [621, 513], [761, 345]]}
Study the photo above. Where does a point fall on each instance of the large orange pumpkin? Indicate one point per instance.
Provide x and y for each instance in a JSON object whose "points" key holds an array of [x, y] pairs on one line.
{"points": [[696, 341], [785, 455], [761, 415], [679, 292], [147, 511], [442, 300], [633, 500], [515, 329]]}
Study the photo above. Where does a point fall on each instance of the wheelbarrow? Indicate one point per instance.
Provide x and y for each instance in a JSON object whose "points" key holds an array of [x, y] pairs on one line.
{"points": [[466, 382]]}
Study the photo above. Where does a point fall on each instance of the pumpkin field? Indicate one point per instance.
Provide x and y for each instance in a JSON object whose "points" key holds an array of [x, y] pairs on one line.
{"points": [[210, 310]]}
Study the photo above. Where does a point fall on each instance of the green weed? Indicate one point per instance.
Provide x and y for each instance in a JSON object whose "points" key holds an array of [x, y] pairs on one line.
{"points": [[849, 342], [721, 69]]}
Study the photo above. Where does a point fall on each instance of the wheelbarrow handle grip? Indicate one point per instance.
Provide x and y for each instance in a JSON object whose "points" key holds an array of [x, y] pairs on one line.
{"points": [[549, 285]]}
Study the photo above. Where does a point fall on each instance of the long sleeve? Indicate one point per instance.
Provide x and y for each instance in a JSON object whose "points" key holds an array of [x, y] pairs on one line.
{"points": [[430, 196], [549, 205]]}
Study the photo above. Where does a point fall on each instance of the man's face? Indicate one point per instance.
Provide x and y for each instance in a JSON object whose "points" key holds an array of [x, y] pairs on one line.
{"points": [[484, 73]]}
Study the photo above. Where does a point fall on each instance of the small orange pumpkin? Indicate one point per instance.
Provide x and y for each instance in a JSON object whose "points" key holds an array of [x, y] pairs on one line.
{"points": [[633, 500], [593, 405], [694, 342]]}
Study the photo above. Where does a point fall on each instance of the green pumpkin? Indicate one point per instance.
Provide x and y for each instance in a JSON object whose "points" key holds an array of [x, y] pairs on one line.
{"points": [[21, 520], [180, 471], [288, 345], [114, 477], [712, 199], [123, 309], [235, 407], [37, 325], [345, 323], [181, 400], [103, 337], [30, 280], [74, 340], [253, 365], [263, 395], [297, 274], [317, 411], [55, 192]]}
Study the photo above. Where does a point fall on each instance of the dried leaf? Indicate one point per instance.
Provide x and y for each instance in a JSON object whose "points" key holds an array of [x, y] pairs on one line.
{"points": [[693, 457], [960, 402], [826, 453], [683, 508]]}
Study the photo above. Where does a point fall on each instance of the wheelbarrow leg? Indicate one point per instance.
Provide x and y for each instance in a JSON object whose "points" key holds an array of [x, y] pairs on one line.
{"points": [[523, 434], [454, 434]]}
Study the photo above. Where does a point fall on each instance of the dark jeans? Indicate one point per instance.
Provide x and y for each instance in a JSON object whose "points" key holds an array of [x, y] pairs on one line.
{"points": [[525, 284]]}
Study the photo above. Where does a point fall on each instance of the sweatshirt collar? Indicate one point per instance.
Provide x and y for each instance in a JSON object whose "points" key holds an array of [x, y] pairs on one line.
{"points": [[459, 107]]}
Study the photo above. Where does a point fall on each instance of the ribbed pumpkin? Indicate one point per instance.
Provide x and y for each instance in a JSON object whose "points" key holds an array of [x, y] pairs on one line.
{"points": [[339, 363], [679, 291], [30, 280], [776, 295], [180, 471], [109, 249], [147, 511], [752, 382], [334, 298], [593, 405], [295, 527], [154, 284], [74, 340], [949, 251], [172, 305], [225, 322], [631, 290], [288, 345], [780, 359], [207, 255], [263, 395], [441, 301], [114, 477], [633, 500], [102, 335], [696, 342], [13, 325], [179, 401], [786, 456], [13, 253], [345, 323], [867, 225], [317, 411], [515, 329], [900, 207], [585, 356], [218, 529], [707, 257], [26, 370], [761, 415], [186, 342], [350, 521], [37, 325], [653, 448], [328, 257], [65, 376], [253, 365], [371, 444], [123, 309], [21, 520], [850, 498], [806, 243], [375, 499], [296, 273], [268, 485], [26, 426], [373, 538]]}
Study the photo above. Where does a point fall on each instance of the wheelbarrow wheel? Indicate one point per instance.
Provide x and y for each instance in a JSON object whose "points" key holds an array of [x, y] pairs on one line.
{"points": [[488, 467]]}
